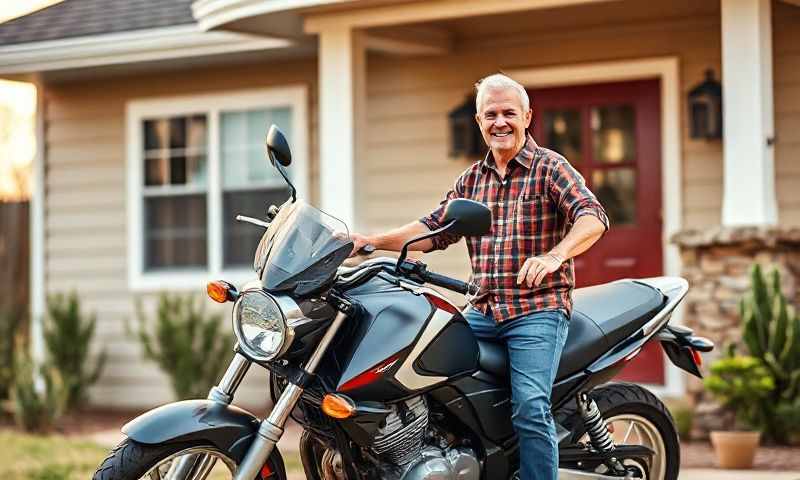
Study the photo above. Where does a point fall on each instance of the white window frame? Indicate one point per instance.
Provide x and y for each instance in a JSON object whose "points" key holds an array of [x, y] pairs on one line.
{"points": [[293, 96]]}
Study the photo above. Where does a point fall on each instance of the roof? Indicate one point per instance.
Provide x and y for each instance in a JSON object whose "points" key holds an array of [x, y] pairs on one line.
{"points": [[80, 18]]}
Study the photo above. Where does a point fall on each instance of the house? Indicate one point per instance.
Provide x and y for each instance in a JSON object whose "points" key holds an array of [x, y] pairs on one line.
{"points": [[152, 116]]}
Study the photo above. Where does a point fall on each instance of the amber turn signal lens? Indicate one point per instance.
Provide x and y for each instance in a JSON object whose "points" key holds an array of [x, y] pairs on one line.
{"points": [[338, 406], [698, 359], [218, 291]]}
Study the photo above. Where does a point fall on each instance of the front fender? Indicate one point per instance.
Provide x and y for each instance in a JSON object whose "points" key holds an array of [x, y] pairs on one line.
{"points": [[229, 428]]}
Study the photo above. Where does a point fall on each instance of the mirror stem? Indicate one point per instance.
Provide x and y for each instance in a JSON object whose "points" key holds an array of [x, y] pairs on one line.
{"points": [[283, 174], [404, 250]]}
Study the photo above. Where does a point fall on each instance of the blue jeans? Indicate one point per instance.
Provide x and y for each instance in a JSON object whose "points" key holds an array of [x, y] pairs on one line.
{"points": [[534, 345]]}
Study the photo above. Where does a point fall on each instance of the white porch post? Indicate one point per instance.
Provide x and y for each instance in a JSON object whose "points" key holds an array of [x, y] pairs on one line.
{"points": [[749, 174], [342, 72]]}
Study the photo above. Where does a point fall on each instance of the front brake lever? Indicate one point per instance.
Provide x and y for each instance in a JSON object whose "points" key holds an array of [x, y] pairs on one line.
{"points": [[251, 220]]}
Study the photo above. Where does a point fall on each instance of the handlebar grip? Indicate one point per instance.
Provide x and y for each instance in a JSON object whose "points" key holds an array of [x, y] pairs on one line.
{"points": [[463, 288], [366, 249]]}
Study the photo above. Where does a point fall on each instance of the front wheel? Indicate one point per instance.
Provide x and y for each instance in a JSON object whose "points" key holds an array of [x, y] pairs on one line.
{"points": [[637, 417], [131, 460]]}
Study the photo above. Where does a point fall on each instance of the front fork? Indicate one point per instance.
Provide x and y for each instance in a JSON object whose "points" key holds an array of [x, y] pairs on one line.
{"points": [[271, 428], [196, 467]]}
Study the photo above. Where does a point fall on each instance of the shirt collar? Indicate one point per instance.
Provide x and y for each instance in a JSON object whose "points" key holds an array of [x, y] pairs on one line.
{"points": [[524, 157]]}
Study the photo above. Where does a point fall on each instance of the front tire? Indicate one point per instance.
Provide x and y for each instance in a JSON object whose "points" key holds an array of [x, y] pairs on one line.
{"points": [[638, 417], [131, 460]]}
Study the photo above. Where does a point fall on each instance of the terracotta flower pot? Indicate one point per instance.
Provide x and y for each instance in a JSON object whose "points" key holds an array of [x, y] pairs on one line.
{"points": [[735, 450]]}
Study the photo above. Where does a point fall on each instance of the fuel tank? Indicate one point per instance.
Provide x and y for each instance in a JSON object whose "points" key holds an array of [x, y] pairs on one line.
{"points": [[407, 340]]}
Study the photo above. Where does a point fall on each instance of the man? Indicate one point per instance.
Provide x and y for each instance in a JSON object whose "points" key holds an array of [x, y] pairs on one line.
{"points": [[543, 215]]}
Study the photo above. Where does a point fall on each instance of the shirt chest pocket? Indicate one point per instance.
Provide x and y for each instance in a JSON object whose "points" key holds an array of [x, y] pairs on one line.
{"points": [[530, 205]]}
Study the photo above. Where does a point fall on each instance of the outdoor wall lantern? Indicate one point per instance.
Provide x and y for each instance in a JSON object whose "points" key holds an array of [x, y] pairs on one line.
{"points": [[705, 109], [465, 135]]}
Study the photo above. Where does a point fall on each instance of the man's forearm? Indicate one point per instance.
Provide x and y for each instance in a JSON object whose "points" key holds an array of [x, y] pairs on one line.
{"points": [[586, 230], [393, 240]]}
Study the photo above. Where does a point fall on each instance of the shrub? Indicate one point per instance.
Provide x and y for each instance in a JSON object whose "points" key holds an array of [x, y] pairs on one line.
{"points": [[36, 408], [10, 326], [683, 415], [771, 332], [68, 335], [186, 343], [741, 383]]}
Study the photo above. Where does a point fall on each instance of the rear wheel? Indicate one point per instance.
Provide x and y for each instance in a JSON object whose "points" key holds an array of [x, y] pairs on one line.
{"points": [[131, 460], [638, 418]]}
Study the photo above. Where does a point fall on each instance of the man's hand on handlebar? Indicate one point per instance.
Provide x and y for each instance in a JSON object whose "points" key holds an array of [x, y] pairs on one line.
{"points": [[362, 245]]}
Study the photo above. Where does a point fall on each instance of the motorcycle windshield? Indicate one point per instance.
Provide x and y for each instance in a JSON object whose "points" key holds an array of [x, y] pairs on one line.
{"points": [[301, 249]]}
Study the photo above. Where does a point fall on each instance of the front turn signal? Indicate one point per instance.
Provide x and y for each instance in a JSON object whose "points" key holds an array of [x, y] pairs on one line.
{"points": [[221, 291], [338, 406]]}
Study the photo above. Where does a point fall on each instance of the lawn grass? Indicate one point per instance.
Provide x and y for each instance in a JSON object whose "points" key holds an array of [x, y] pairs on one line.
{"points": [[54, 457]]}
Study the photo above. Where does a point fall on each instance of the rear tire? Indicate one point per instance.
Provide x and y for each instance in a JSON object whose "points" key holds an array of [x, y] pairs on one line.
{"points": [[131, 460], [631, 402]]}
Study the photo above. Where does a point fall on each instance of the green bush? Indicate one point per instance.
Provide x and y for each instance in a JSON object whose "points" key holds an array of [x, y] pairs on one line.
{"points": [[36, 408], [741, 383], [188, 344], [771, 332], [68, 335], [11, 323], [683, 414]]}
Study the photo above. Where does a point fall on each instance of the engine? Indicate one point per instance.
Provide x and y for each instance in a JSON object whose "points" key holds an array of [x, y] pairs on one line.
{"points": [[405, 455]]}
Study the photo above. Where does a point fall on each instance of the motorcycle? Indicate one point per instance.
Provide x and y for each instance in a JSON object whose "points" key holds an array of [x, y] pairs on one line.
{"points": [[387, 380]]}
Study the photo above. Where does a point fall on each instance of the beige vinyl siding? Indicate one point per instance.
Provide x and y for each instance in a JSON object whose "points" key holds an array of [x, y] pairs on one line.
{"points": [[85, 218], [786, 41], [409, 99]]}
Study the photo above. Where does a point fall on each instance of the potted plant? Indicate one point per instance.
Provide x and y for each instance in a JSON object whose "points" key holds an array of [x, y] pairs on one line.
{"points": [[741, 384]]}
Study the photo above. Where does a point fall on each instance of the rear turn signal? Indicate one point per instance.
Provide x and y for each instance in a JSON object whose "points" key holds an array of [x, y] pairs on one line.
{"points": [[338, 406], [221, 291], [698, 359]]}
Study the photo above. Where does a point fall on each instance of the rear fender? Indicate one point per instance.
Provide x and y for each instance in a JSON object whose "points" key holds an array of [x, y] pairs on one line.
{"points": [[229, 428]]}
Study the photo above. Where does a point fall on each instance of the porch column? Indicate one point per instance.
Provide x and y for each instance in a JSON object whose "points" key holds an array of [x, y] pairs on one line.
{"points": [[749, 174], [342, 72]]}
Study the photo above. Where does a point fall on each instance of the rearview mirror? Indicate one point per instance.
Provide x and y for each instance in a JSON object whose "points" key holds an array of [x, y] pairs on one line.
{"points": [[470, 218], [277, 147]]}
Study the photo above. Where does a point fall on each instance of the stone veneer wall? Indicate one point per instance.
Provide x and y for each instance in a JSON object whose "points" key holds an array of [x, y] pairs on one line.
{"points": [[716, 262]]}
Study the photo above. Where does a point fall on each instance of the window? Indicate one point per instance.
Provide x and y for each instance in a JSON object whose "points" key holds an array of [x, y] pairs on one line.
{"points": [[194, 164]]}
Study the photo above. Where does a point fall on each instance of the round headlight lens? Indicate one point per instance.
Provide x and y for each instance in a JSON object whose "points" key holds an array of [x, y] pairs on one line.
{"points": [[259, 325]]}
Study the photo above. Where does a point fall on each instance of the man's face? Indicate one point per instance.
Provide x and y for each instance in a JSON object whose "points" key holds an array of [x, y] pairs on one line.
{"points": [[503, 121]]}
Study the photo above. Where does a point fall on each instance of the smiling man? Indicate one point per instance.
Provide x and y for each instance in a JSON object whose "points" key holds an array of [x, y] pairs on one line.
{"points": [[543, 215]]}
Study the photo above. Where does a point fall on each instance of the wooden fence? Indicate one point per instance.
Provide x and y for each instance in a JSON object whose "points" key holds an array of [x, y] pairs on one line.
{"points": [[14, 257]]}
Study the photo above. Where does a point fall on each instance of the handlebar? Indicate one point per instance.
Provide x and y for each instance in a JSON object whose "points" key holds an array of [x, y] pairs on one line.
{"points": [[443, 281], [419, 271]]}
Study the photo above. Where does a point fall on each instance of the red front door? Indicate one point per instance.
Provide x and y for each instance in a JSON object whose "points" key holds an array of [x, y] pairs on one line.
{"points": [[611, 133]]}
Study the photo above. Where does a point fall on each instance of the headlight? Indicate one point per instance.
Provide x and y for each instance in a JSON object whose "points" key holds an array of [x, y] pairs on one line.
{"points": [[260, 326]]}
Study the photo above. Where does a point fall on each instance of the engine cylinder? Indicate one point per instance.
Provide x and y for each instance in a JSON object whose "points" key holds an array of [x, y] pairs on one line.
{"points": [[399, 441]]}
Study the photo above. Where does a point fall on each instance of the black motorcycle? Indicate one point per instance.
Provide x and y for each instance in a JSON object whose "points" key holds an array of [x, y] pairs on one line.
{"points": [[387, 380]]}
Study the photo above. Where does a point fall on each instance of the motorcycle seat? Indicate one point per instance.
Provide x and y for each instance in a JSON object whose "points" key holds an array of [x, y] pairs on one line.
{"points": [[602, 316]]}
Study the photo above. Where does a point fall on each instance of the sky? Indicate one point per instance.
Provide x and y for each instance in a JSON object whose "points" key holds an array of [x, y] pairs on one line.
{"points": [[17, 117]]}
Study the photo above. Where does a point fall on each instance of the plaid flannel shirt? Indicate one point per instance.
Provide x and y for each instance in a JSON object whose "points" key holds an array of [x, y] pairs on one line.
{"points": [[533, 208]]}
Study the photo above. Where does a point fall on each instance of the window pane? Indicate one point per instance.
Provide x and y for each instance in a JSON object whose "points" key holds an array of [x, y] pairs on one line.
{"points": [[156, 133], [244, 161], [563, 133], [175, 232], [177, 132], [155, 171], [616, 190], [614, 133], [241, 239]]}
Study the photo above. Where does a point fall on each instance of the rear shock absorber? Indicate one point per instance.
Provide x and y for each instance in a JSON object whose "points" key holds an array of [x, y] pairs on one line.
{"points": [[596, 428]]}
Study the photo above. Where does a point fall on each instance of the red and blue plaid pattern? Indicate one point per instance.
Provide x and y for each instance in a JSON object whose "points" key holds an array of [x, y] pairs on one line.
{"points": [[533, 208]]}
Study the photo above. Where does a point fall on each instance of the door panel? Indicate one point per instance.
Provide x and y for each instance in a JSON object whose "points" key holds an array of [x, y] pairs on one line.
{"points": [[610, 132]]}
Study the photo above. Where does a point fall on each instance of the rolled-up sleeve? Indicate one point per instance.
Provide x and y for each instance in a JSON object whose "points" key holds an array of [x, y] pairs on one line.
{"points": [[573, 197], [435, 219]]}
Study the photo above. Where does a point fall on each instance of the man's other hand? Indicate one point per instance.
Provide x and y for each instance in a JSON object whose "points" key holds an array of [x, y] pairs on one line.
{"points": [[359, 242], [534, 269]]}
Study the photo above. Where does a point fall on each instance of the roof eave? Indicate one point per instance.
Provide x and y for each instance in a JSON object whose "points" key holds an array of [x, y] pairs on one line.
{"points": [[127, 47]]}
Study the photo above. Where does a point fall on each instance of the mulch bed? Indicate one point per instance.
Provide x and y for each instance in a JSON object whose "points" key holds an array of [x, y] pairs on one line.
{"points": [[701, 455]]}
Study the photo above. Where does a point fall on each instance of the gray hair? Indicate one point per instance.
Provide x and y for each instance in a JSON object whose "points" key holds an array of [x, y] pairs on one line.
{"points": [[498, 81]]}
